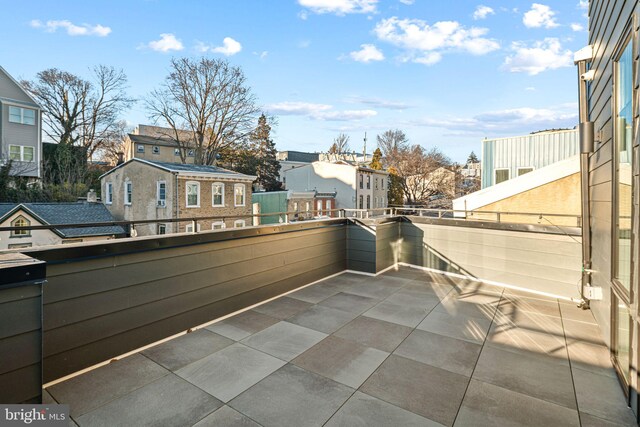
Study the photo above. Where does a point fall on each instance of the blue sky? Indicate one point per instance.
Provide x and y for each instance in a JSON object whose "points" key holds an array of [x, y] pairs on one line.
{"points": [[448, 73]]}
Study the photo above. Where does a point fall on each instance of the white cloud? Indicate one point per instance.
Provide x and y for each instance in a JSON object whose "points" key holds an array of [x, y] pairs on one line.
{"points": [[367, 53], [317, 111], [229, 47], [577, 27], [543, 55], [407, 2], [530, 89], [378, 103], [508, 121], [482, 12], [425, 43], [167, 43], [583, 4], [71, 28], [339, 7], [540, 15]]}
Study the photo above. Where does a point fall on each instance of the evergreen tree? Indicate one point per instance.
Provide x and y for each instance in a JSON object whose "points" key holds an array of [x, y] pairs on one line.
{"points": [[473, 158], [267, 168], [395, 194], [376, 161]]}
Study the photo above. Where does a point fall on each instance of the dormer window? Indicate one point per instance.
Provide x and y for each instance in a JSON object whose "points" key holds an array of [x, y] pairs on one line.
{"points": [[20, 222]]}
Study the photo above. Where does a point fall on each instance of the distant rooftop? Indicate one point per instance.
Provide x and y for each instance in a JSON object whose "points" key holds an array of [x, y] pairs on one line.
{"points": [[188, 168], [66, 213], [297, 156]]}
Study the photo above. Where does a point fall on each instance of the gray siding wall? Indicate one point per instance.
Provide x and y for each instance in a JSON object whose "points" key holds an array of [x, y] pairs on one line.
{"points": [[101, 307], [21, 344], [536, 151], [361, 247], [608, 23], [19, 134], [540, 262]]}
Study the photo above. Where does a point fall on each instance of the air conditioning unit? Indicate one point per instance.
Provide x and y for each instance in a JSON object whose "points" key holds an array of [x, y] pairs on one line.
{"points": [[162, 203]]}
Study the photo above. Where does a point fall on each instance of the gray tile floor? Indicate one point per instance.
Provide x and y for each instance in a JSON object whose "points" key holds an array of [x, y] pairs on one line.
{"points": [[406, 348]]}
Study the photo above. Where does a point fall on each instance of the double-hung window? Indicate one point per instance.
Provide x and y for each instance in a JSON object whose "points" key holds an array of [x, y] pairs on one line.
{"points": [[24, 116], [238, 194], [128, 193], [21, 153], [108, 197], [20, 222], [193, 194], [161, 193], [217, 194], [239, 223]]}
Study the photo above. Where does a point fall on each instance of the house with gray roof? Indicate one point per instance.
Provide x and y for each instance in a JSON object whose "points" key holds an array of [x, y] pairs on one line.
{"points": [[20, 129], [59, 214], [158, 144], [141, 189]]}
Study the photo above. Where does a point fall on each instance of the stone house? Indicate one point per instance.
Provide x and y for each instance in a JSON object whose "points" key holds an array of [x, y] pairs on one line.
{"points": [[151, 190]]}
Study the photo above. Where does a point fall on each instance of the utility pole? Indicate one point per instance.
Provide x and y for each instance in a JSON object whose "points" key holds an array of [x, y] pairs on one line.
{"points": [[364, 151]]}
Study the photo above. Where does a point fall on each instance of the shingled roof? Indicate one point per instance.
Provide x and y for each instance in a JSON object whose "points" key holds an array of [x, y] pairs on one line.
{"points": [[66, 213], [182, 168]]}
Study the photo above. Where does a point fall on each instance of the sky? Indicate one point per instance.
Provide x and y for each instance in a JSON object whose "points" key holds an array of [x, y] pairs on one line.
{"points": [[447, 73]]}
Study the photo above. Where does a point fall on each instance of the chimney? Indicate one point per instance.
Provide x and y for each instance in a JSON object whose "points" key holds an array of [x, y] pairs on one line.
{"points": [[92, 197], [120, 158]]}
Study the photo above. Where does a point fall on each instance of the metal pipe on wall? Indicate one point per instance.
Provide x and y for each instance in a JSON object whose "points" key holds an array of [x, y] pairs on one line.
{"points": [[586, 147]]}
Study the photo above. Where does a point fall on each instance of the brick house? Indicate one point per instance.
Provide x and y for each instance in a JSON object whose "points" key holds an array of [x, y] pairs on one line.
{"points": [[142, 190]]}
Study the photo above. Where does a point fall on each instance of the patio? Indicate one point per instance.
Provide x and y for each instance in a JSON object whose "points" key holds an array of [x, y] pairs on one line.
{"points": [[404, 348]]}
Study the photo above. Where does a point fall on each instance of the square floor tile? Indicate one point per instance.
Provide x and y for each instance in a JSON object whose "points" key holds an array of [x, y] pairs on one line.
{"points": [[590, 357], [582, 331], [186, 349], [323, 319], [230, 371], [426, 301], [602, 396], [536, 375], [226, 417], [341, 360], [350, 302], [374, 333], [512, 304], [530, 321], [472, 329], [425, 390], [169, 401], [487, 405], [314, 293], [292, 397], [572, 312], [95, 388], [282, 307], [424, 289], [456, 307], [367, 411], [242, 325], [284, 340], [527, 340], [406, 315], [440, 351], [376, 288]]}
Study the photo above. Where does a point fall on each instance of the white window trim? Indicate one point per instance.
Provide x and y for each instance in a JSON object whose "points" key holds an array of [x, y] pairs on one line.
{"points": [[244, 194], [108, 197], [525, 167], [189, 228], [239, 221], [22, 147], [155, 150], [158, 200], [212, 203], [221, 223], [139, 148], [165, 229], [186, 194], [22, 110], [495, 174], [127, 183]]}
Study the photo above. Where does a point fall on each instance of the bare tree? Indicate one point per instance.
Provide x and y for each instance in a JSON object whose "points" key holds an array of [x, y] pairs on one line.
{"points": [[114, 144], [424, 174], [81, 112], [207, 105], [391, 143], [340, 145]]}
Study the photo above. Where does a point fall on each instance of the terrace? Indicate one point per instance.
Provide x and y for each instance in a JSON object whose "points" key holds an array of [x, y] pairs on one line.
{"points": [[395, 321]]}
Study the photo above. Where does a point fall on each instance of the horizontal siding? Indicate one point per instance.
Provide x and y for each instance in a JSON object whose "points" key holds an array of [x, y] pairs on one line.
{"points": [[546, 263], [100, 308]]}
